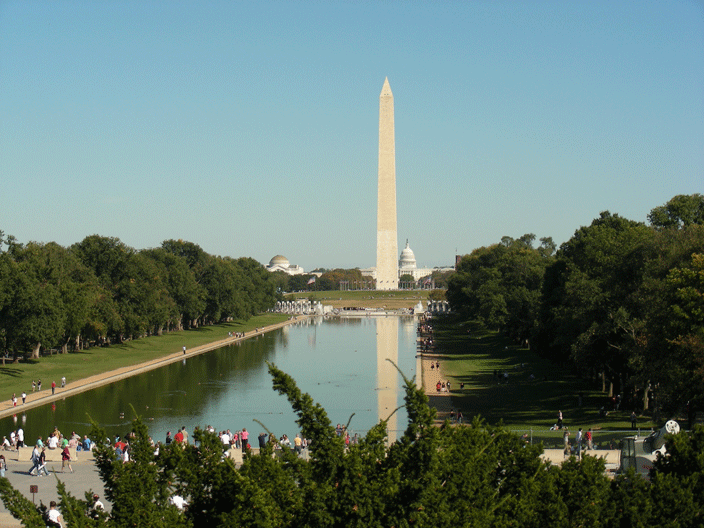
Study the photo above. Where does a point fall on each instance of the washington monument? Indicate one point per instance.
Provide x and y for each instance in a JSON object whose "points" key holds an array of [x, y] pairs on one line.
{"points": [[386, 240]]}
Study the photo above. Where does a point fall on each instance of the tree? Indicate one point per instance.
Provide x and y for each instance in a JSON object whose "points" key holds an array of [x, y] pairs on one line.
{"points": [[589, 313], [407, 281], [500, 285], [432, 476], [681, 211]]}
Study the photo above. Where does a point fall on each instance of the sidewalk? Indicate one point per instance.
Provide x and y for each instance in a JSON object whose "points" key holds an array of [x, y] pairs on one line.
{"points": [[85, 477]]}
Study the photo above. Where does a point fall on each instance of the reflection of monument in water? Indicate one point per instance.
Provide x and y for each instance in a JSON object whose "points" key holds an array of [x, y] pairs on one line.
{"points": [[386, 374]]}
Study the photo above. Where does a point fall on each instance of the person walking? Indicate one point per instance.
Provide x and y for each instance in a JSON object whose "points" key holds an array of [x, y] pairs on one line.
{"points": [[66, 459], [634, 420], [566, 440], [42, 463], [24, 397], [53, 387]]}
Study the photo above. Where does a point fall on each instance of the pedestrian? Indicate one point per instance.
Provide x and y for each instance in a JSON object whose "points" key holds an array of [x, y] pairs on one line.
{"points": [[452, 416], [66, 459], [588, 438], [55, 517], [34, 386], [63, 381], [634, 419], [42, 463], [53, 387], [39, 385], [566, 440], [244, 436], [14, 400], [559, 419], [459, 416], [24, 397], [578, 442], [3, 465], [184, 351]]}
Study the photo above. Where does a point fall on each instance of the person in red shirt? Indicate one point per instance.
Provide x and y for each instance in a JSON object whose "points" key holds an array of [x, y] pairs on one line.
{"points": [[178, 437], [53, 387]]}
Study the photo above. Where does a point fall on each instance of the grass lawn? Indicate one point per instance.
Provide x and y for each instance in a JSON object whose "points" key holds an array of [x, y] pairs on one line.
{"points": [[367, 299], [522, 403], [16, 377]]}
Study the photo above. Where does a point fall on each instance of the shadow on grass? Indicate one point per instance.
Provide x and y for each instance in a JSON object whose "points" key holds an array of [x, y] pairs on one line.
{"points": [[9, 371], [503, 382]]}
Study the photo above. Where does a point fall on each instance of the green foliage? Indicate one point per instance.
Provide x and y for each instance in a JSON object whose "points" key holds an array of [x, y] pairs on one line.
{"points": [[681, 211], [447, 476], [101, 290], [330, 280], [500, 285]]}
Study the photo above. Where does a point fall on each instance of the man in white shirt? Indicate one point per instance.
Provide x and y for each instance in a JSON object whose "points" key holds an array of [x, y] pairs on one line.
{"points": [[225, 439], [578, 443]]}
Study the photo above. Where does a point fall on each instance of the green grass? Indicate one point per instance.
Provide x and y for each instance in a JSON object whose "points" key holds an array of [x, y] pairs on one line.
{"points": [[16, 377], [474, 354]]}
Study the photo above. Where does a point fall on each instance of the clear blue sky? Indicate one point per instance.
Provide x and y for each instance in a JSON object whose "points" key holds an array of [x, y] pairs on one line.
{"points": [[251, 128]]}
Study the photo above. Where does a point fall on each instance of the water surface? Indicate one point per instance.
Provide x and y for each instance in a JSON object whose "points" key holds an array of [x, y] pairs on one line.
{"points": [[341, 363]]}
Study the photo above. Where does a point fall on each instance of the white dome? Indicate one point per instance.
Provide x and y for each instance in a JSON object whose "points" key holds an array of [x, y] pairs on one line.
{"points": [[279, 260], [408, 259]]}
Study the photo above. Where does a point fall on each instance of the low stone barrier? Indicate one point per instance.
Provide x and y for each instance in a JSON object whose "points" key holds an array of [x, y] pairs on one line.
{"points": [[24, 454]]}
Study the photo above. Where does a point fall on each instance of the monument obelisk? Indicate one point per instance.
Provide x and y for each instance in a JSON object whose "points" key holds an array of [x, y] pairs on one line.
{"points": [[386, 240]]}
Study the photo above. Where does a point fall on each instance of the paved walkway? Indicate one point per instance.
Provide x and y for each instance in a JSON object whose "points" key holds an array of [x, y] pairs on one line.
{"points": [[86, 475]]}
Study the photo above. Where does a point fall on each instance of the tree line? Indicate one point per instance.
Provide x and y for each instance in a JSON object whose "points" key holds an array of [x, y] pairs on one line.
{"points": [[449, 476], [621, 300], [102, 291]]}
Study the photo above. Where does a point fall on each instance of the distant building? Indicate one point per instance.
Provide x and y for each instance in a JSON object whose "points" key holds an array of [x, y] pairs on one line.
{"points": [[407, 266], [281, 263]]}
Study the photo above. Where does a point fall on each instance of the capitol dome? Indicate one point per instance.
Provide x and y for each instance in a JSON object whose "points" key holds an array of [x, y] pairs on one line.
{"points": [[279, 260], [408, 259]]}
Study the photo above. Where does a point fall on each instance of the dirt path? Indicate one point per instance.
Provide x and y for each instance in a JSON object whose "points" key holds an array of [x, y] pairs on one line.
{"points": [[441, 401], [36, 399]]}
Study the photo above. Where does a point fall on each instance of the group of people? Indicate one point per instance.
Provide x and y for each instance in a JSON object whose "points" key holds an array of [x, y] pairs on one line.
{"points": [[580, 439], [236, 334], [55, 441], [36, 387]]}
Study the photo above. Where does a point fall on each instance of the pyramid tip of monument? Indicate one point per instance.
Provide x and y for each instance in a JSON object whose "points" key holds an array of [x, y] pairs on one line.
{"points": [[386, 89]]}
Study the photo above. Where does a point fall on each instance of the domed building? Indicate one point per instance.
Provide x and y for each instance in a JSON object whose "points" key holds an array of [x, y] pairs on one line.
{"points": [[281, 263], [407, 261]]}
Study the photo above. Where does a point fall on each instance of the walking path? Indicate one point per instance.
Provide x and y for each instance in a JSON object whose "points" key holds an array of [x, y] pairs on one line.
{"points": [[441, 401]]}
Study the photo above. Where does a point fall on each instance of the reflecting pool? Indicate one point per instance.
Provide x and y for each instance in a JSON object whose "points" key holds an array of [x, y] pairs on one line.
{"points": [[340, 362]]}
